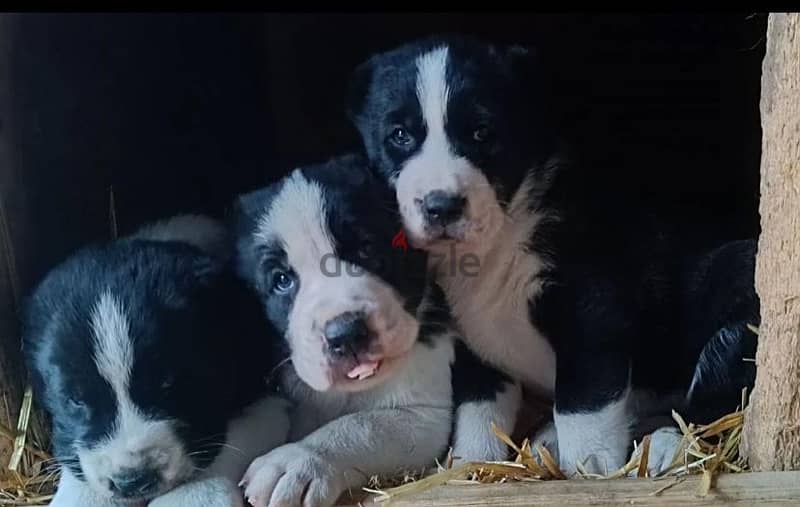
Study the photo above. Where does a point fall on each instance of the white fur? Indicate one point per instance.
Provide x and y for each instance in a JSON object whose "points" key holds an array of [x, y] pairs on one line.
{"points": [[665, 443], [113, 350], [201, 231], [598, 440], [72, 492], [209, 492], [492, 308], [436, 167], [297, 219], [474, 439], [342, 438], [262, 427], [135, 439], [506, 279]]}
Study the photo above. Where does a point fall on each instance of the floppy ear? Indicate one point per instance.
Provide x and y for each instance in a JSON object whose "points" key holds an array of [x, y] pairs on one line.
{"points": [[357, 89], [248, 207]]}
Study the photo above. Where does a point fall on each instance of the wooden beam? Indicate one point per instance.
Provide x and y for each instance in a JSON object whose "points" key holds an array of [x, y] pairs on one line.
{"points": [[772, 425], [774, 488]]}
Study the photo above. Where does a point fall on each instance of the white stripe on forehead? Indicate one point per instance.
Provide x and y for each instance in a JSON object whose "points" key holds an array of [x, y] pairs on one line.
{"points": [[114, 357], [113, 350], [298, 219], [432, 89]]}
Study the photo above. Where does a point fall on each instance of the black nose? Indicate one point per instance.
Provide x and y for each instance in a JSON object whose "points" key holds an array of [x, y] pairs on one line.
{"points": [[347, 333], [442, 208], [135, 483]]}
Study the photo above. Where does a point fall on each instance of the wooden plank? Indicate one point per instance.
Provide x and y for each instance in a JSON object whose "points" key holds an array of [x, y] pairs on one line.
{"points": [[773, 488], [772, 426]]}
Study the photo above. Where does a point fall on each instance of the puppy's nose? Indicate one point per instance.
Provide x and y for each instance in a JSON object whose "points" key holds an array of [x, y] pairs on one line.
{"points": [[135, 483], [347, 333], [441, 208]]}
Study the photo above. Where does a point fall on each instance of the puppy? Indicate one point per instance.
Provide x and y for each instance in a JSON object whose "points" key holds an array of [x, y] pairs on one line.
{"points": [[149, 357], [370, 342], [575, 296]]}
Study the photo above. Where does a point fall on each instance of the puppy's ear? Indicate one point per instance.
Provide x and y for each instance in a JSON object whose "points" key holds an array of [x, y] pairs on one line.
{"points": [[357, 90], [351, 169], [246, 211], [248, 207]]}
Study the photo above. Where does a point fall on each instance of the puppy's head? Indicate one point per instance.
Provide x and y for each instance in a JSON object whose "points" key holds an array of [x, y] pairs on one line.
{"points": [[127, 354], [454, 125], [321, 248]]}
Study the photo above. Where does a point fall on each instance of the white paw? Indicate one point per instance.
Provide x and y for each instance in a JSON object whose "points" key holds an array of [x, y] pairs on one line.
{"points": [[484, 448], [209, 492], [292, 476], [664, 444]]}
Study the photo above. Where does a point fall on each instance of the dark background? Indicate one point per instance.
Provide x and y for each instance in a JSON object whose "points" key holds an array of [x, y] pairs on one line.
{"points": [[181, 112]]}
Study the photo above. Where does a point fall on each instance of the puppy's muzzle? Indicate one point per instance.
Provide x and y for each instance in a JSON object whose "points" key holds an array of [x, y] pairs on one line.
{"points": [[347, 334], [135, 483], [440, 208]]}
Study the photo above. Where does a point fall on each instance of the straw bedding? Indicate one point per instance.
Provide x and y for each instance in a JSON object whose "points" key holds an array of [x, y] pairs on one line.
{"points": [[31, 475]]}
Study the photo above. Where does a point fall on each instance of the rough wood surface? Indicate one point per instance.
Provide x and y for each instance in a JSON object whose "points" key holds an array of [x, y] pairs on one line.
{"points": [[773, 488], [772, 428]]}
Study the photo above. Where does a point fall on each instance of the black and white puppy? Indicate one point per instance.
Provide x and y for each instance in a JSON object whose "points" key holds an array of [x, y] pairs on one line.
{"points": [[148, 354], [586, 304], [370, 342]]}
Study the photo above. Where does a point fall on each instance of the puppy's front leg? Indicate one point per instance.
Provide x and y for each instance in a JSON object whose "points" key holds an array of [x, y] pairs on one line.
{"points": [[473, 438], [482, 395], [208, 492], [344, 453], [262, 427], [593, 413]]}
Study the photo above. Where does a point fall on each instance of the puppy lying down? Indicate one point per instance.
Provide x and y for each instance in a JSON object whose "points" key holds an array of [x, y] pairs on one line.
{"points": [[372, 356], [150, 359]]}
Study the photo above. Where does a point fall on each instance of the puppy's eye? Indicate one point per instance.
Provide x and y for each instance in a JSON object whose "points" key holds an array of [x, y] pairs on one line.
{"points": [[282, 282], [481, 134], [167, 383], [401, 137]]}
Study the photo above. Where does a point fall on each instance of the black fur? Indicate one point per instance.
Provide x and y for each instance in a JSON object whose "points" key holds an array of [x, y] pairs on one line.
{"points": [[198, 338], [623, 293], [363, 219]]}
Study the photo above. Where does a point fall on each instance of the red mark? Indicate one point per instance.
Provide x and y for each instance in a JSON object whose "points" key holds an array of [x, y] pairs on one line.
{"points": [[399, 241]]}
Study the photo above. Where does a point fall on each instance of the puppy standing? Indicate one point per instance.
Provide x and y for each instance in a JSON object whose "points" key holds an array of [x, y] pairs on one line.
{"points": [[150, 359], [370, 342], [591, 315]]}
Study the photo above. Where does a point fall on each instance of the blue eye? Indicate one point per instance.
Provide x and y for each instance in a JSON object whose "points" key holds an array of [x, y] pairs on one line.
{"points": [[282, 282], [401, 137]]}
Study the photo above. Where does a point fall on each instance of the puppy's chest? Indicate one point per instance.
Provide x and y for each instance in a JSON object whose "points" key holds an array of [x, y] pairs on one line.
{"points": [[492, 310], [424, 380]]}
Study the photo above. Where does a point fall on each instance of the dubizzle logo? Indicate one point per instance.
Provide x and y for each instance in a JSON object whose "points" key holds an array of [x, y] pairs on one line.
{"points": [[399, 240]]}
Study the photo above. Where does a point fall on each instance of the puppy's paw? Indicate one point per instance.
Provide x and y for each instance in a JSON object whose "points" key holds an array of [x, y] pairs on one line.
{"points": [[209, 492], [664, 445], [480, 446], [292, 476]]}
